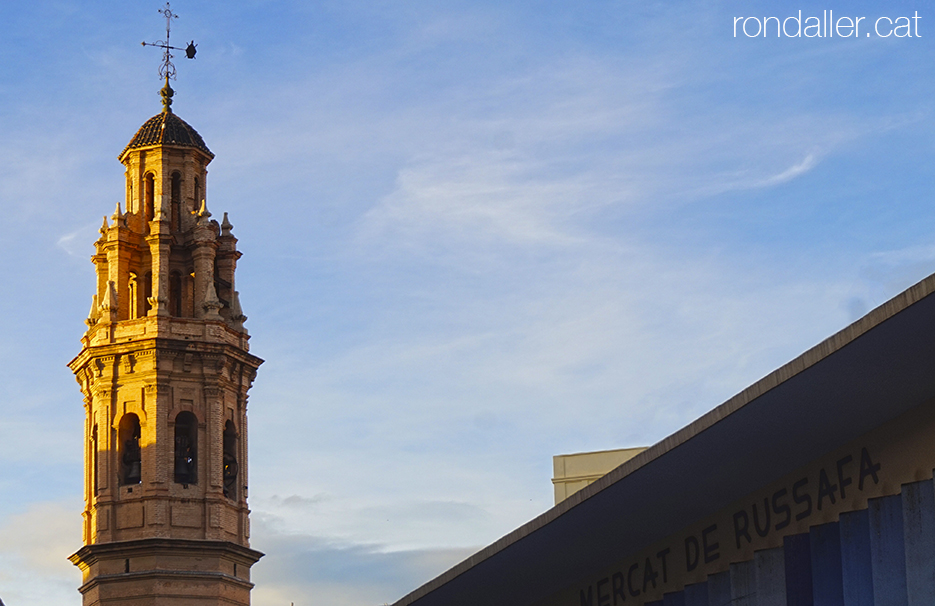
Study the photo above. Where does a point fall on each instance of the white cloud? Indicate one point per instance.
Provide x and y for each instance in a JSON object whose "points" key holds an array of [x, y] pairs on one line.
{"points": [[34, 547]]}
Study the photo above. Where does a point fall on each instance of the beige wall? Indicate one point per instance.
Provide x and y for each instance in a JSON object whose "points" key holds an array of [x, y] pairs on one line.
{"points": [[572, 472]]}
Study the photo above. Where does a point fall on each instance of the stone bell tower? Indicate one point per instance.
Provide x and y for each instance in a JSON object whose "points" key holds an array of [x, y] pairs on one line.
{"points": [[164, 370]]}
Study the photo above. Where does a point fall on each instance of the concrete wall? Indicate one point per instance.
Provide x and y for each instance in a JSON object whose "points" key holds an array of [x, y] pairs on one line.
{"points": [[572, 472]]}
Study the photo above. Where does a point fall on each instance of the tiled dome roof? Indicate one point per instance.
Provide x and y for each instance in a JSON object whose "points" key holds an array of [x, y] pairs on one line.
{"points": [[167, 129]]}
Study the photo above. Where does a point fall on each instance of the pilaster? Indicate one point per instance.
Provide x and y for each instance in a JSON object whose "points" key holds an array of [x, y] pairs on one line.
{"points": [[159, 241]]}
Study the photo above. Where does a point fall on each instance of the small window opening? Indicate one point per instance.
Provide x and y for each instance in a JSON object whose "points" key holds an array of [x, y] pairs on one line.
{"points": [[176, 201], [175, 294], [126, 565], [186, 448], [130, 455], [149, 194], [94, 446], [231, 468], [190, 293], [196, 201]]}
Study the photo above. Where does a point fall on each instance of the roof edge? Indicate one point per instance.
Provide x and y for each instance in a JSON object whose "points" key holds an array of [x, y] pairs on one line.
{"points": [[120, 157]]}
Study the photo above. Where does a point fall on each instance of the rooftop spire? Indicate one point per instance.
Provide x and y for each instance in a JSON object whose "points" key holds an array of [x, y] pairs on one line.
{"points": [[109, 305], [118, 217], [202, 213], [167, 68]]}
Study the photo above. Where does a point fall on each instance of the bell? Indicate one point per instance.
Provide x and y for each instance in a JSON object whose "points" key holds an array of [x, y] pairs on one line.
{"points": [[230, 467], [133, 473], [181, 470]]}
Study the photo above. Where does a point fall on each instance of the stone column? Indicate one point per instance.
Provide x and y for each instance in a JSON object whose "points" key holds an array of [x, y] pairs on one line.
{"points": [[214, 418], [118, 266], [159, 251], [203, 258], [214, 461], [159, 448], [157, 404]]}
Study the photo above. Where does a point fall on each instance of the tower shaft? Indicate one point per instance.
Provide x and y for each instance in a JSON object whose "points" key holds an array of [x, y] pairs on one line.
{"points": [[164, 370]]}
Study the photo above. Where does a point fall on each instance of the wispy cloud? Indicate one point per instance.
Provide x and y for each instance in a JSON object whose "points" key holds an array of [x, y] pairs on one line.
{"points": [[298, 501], [470, 198], [807, 163], [79, 243], [341, 574]]}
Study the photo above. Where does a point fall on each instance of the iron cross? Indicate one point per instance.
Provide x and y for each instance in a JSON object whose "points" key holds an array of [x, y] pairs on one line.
{"points": [[167, 68]]}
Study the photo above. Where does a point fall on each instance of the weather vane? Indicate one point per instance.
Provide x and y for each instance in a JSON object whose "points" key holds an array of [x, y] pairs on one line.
{"points": [[167, 68]]}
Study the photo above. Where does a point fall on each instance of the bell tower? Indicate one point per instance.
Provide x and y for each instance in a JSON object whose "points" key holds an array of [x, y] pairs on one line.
{"points": [[164, 370]]}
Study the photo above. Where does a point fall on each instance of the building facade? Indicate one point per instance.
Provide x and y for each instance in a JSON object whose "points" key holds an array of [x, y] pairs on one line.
{"points": [[164, 370]]}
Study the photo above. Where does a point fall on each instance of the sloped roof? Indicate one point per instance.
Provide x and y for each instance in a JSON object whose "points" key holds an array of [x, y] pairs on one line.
{"points": [[166, 128]]}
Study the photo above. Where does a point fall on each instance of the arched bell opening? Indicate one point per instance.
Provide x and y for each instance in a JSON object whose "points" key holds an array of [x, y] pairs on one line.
{"points": [[175, 294], [128, 436], [231, 467], [189, 301], [94, 447], [186, 448]]}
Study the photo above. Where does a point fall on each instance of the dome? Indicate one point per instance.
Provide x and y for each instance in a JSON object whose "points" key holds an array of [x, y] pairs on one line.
{"points": [[166, 129]]}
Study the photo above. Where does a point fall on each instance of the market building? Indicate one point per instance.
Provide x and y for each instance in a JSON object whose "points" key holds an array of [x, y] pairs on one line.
{"points": [[813, 486]]}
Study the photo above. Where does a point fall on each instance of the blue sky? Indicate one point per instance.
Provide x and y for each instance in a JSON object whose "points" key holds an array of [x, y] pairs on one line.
{"points": [[475, 235]]}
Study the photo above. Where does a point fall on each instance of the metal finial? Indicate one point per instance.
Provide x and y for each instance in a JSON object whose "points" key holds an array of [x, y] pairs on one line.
{"points": [[166, 93], [167, 68]]}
